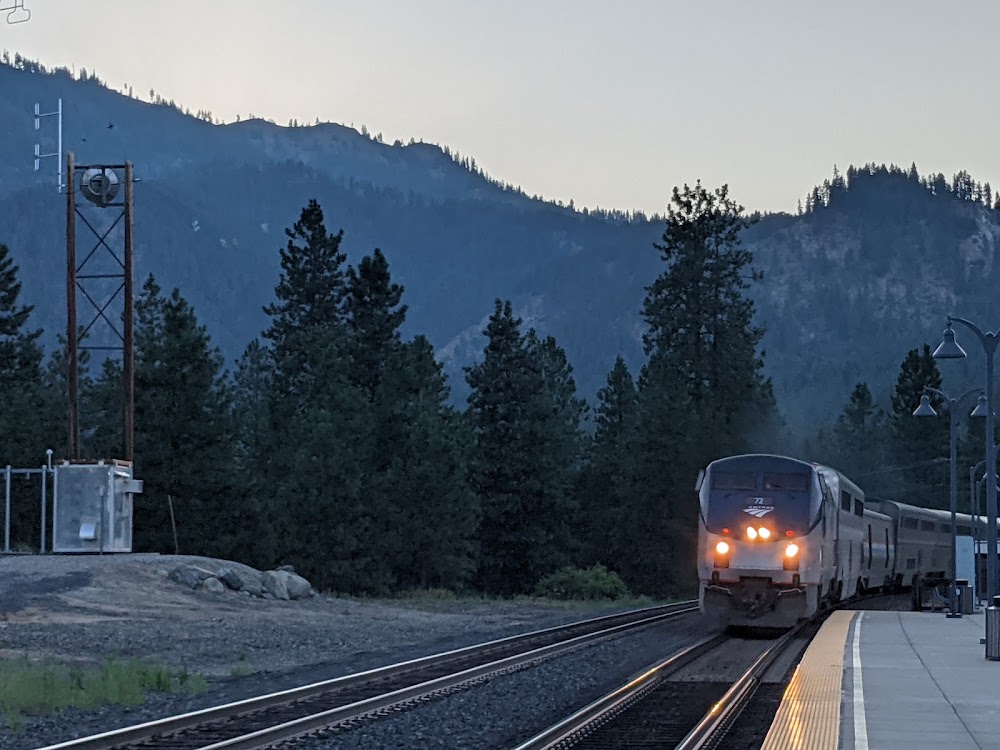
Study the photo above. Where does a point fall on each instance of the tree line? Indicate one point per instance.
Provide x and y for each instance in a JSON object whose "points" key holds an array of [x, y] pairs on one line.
{"points": [[334, 444]]}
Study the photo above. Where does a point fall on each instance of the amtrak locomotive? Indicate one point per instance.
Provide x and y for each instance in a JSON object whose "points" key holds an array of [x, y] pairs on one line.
{"points": [[781, 538]]}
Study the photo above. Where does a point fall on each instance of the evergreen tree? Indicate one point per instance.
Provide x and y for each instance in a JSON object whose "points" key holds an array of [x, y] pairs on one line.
{"points": [[859, 437], [609, 480], [57, 389], [310, 458], [702, 393], [700, 321], [917, 441], [25, 424], [522, 415], [184, 448], [23, 435], [374, 315], [431, 528]]}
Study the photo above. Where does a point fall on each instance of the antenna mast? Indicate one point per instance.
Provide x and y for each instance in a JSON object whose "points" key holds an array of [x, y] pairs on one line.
{"points": [[59, 147]]}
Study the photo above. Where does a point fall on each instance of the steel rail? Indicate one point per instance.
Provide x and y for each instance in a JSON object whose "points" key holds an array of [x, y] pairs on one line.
{"points": [[173, 724], [291, 729], [619, 699], [727, 709]]}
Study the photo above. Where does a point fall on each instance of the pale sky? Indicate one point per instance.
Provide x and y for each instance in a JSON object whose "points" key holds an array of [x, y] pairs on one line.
{"points": [[606, 103]]}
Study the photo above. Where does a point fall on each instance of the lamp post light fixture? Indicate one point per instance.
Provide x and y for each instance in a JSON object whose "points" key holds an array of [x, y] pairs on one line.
{"points": [[926, 410], [949, 349]]}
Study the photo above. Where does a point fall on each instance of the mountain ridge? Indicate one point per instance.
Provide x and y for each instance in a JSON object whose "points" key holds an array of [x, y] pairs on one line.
{"points": [[868, 271]]}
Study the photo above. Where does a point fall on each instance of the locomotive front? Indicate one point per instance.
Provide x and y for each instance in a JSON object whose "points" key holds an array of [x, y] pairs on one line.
{"points": [[760, 542]]}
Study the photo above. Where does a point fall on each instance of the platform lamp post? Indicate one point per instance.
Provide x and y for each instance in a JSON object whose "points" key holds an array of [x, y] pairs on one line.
{"points": [[949, 349], [974, 511], [926, 410]]}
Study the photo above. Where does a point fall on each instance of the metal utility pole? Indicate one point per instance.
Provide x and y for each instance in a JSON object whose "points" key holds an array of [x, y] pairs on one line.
{"points": [[99, 185]]}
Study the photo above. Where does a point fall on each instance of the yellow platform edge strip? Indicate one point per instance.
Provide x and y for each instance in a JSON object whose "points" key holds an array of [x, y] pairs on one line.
{"points": [[809, 714]]}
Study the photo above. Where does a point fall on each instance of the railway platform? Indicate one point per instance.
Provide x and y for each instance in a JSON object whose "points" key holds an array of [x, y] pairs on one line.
{"points": [[892, 680]]}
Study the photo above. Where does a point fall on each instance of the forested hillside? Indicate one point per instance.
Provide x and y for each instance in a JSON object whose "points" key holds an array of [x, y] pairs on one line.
{"points": [[868, 269]]}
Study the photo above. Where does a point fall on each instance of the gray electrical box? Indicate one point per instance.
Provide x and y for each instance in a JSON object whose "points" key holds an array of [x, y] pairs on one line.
{"points": [[92, 507]]}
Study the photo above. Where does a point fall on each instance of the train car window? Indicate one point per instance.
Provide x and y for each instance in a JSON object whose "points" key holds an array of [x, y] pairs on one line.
{"points": [[869, 545], [909, 523], [886, 548], [859, 507], [845, 501], [946, 527], [786, 481], [963, 530], [725, 480], [927, 526]]}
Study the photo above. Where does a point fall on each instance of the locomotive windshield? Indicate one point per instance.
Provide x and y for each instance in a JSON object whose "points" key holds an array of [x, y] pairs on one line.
{"points": [[781, 499]]}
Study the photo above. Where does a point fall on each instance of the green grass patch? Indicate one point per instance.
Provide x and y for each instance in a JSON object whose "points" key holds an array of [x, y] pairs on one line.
{"points": [[30, 689]]}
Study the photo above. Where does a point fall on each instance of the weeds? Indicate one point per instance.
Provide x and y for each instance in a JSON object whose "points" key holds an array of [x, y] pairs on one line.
{"points": [[28, 688]]}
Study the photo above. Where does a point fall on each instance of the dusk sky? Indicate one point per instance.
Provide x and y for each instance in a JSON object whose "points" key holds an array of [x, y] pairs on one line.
{"points": [[608, 104]]}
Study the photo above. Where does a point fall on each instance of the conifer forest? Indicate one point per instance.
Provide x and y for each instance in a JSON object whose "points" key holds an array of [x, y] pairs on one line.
{"points": [[334, 443]]}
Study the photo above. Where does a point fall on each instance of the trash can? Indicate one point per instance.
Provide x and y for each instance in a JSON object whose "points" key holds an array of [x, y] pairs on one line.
{"points": [[964, 596], [993, 630]]}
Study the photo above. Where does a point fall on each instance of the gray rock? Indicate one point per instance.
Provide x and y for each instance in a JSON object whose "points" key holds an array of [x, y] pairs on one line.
{"points": [[189, 575], [231, 578], [297, 586], [286, 569], [213, 585], [274, 584]]}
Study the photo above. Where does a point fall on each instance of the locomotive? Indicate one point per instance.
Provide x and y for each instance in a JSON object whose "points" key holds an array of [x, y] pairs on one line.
{"points": [[780, 538]]}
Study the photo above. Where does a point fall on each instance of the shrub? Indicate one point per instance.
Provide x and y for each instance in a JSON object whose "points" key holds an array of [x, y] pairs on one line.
{"points": [[596, 582]]}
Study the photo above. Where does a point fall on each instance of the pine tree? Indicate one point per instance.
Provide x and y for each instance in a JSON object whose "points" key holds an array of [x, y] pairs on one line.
{"points": [[310, 460], [702, 393], [26, 428], [23, 436], [522, 413], [184, 448], [374, 315], [859, 436], [57, 388], [609, 481], [700, 321], [916, 441], [431, 529]]}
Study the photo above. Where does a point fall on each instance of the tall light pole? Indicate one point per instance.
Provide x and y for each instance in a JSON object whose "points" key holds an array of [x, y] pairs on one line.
{"points": [[926, 410], [974, 512], [949, 349]]}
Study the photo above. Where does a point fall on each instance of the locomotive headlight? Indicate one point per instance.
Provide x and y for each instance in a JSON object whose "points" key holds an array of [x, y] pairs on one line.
{"points": [[751, 532], [722, 548], [791, 550], [764, 532]]}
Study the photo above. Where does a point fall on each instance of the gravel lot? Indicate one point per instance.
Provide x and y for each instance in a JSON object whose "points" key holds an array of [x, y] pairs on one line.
{"points": [[86, 608]]}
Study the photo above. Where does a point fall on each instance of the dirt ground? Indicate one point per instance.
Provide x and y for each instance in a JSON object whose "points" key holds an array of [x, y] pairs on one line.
{"points": [[71, 608]]}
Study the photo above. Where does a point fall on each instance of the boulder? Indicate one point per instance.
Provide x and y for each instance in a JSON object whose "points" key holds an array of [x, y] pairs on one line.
{"points": [[240, 581], [297, 586], [189, 575], [213, 585], [274, 584], [286, 569]]}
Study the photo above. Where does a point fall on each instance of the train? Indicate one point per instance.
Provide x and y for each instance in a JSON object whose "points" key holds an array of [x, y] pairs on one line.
{"points": [[781, 539]]}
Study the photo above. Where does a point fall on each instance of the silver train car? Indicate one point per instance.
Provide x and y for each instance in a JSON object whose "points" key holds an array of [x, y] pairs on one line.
{"points": [[780, 539]]}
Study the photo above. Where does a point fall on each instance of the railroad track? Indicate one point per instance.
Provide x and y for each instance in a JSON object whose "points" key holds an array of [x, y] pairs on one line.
{"points": [[266, 720], [659, 708]]}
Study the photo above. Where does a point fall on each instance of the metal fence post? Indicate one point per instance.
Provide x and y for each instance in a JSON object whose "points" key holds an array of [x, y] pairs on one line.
{"points": [[6, 511], [45, 483]]}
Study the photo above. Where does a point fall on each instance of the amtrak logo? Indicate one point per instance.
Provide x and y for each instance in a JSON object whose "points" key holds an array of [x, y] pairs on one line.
{"points": [[759, 509]]}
